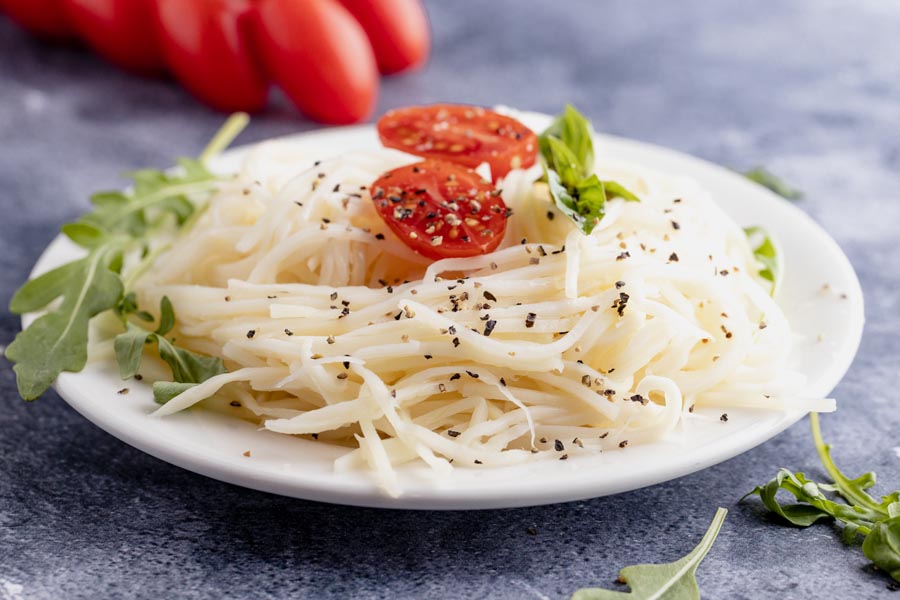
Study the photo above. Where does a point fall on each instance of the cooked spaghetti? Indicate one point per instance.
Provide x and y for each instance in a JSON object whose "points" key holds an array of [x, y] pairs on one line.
{"points": [[555, 344]]}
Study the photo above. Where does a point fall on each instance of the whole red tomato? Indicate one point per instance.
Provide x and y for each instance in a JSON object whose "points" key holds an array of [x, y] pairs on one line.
{"points": [[119, 30], [41, 17], [320, 56], [205, 46]]}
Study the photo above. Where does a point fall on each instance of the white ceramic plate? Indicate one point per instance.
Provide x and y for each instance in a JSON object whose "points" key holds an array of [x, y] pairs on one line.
{"points": [[829, 324]]}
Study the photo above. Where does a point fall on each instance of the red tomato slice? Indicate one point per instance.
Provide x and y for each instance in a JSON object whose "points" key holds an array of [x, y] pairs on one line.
{"points": [[40, 17], [467, 135], [204, 45], [397, 29], [441, 209], [320, 56], [119, 30]]}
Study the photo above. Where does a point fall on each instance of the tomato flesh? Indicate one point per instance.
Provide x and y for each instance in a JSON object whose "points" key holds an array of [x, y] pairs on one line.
{"points": [[467, 135], [441, 209]]}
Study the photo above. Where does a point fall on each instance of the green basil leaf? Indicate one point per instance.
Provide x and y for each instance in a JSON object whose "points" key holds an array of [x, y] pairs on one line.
{"points": [[882, 546], [561, 159], [576, 133], [674, 581], [567, 155], [617, 190]]}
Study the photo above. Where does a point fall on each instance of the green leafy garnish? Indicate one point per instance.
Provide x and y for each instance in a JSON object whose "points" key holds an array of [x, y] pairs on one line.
{"points": [[121, 223], [769, 181], [669, 581], [845, 500], [766, 254], [567, 155]]}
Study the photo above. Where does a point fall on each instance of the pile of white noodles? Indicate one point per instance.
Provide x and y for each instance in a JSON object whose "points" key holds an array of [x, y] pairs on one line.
{"points": [[332, 328]]}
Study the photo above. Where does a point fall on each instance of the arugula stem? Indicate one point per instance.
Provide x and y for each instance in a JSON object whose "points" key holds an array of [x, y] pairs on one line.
{"points": [[846, 488], [230, 130], [142, 266], [164, 194]]}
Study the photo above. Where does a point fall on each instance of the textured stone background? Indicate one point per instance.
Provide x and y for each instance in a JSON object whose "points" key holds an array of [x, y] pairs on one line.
{"points": [[809, 88]]}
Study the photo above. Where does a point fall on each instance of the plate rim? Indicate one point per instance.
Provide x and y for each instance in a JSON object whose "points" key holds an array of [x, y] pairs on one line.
{"points": [[287, 484]]}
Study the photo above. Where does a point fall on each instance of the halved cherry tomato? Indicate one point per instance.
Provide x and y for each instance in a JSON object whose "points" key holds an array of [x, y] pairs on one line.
{"points": [[468, 135], [40, 17], [397, 29], [204, 45], [441, 209], [320, 56], [121, 31]]}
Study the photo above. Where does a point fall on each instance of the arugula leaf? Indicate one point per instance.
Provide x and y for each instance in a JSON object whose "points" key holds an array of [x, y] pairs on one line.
{"points": [[120, 222], [769, 181], [882, 546], [163, 391], [57, 341], [187, 366], [567, 156], [861, 514], [766, 254], [673, 581]]}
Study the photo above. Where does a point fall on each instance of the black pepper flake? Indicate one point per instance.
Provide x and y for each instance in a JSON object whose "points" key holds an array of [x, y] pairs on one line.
{"points": [[456, 342], [288, 332], [333, 296], [550, 215], [390, 289], [251, 333], [345, 302], [235, 403], [558, 445], [138, 377], [451, 330], [675, 225], [564, 457], [379, 236], [489, 327], [478, 462], [336, 188], [623, 443], [529, 320], [673, 257], [314, 436], [398, 315], [724, 417], [123, 391], [489, 296], [452, 433], [586, 380], [455, 376], [503, 382], [623, 255], [620, 285], [342, 375], [639, 398], [346, 364], [472, 375]]}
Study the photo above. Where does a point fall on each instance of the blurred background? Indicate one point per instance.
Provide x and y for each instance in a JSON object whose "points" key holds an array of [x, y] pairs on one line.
{"points": [[810, 89]]}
